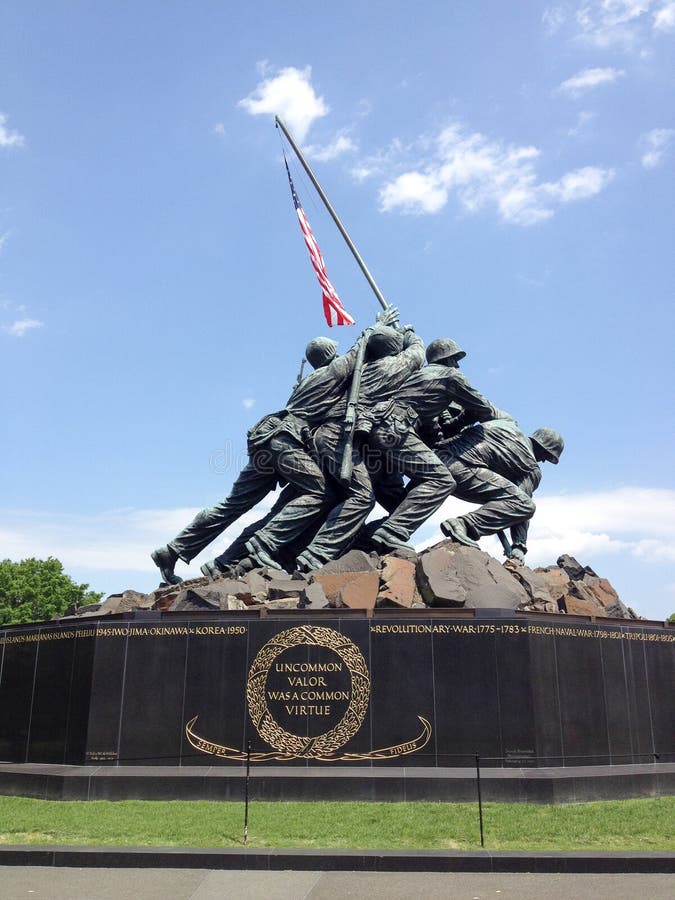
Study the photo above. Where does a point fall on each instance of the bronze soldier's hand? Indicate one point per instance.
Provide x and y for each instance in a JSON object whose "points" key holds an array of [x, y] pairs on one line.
{"points": [[388, 316], [517, 555]]}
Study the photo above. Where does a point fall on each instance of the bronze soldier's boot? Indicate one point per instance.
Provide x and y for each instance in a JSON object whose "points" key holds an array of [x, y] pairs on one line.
{"points": [[455, 529], [384, 542], [260, 554], [213, 569], [165, 558], [307, 562]]}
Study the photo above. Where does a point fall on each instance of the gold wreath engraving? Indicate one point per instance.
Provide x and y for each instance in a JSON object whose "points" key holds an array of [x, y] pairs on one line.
{"points": [[231, 753], [323, 747], [299, 745]]}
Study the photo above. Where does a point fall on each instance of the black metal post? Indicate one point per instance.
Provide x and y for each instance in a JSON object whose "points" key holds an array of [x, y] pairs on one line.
{"points": [[248, 773], [480, 801]]}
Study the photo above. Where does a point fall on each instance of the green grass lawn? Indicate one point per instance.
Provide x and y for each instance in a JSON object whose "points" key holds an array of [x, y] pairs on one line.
{"points": [[621, 825]]}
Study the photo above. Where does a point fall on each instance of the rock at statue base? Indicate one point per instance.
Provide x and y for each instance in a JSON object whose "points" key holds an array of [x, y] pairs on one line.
{"points": [[453, 575], [358, 590], [399, 585], [445, 575], [403, 553], [232, 602], [284, 603], [189, 600], [352, 561], [575, 606], [124, 602], [602, 590], [127, 601], [313, 595], [164, 597], [573, 567], [619, 610], [537, 588], [557, 581], [285, 590]]}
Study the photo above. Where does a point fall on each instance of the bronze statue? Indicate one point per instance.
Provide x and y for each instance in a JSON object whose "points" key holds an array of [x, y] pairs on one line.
{"points": [[401, 416], [392, 354], [395, 429], [496, 465], [277, 449]]}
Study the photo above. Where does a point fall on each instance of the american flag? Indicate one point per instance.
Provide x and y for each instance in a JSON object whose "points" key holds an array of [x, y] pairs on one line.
{"points": [[333, 309]]}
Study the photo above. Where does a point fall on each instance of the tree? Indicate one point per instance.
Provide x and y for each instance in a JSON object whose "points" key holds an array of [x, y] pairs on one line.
{"points": [[34, 590]]}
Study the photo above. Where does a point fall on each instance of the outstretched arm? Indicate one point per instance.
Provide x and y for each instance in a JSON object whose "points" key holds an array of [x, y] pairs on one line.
{"points": [[473, 402]]}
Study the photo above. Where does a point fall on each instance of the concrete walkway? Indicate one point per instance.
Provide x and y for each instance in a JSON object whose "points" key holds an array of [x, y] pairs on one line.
{"points": [[49, 883]]}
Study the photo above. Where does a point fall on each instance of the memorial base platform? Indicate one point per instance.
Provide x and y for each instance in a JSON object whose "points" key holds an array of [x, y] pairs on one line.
{"points": [[325, 704], [573, 784]]}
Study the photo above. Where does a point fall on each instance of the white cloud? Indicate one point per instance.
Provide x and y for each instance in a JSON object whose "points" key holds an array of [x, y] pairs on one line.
{"points": [[341, 144], [482, 172], [379, 163], [622, 24], [248, 402], [664, 18], [9, 138], [604, 23], [219, 129], [631, 520], [361, 172], [290, 95], [21, 326], [588, 79], [656, 143], [553, 19], [414, 192], [115, 540], [583, 118], [579, 185], [3, 240], [648, 512]]}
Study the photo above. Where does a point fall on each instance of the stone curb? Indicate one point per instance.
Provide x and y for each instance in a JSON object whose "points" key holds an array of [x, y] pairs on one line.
{"points": [[391, 784], [338, 860]]}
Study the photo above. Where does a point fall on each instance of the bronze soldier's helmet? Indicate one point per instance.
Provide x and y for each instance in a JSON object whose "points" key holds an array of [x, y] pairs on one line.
{"points": [[320, 351], [384, 341], [551, 443], [444, 348]]}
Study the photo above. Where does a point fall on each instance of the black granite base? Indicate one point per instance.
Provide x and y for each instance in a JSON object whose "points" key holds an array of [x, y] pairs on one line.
{"points": [[325, 689]]}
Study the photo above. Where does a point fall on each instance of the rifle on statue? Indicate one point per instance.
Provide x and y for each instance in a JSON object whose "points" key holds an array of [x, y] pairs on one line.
{"points": [[350, 416], [298, 380]]}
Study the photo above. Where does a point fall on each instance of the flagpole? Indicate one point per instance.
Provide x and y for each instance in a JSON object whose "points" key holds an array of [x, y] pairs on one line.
{"points": [[334, 215]]}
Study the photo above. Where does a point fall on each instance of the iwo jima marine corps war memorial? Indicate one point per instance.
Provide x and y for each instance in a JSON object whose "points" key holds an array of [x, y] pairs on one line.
{"points": [[323, 653]]}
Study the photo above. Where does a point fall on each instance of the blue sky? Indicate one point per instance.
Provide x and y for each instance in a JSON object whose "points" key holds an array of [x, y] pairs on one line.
{"points": [[506, 171]]}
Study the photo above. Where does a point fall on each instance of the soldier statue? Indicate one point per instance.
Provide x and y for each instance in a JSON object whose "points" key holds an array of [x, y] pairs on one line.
{"points": [[394, 429], [426, 424], [392, 354], [497, 466], [277, 447]]}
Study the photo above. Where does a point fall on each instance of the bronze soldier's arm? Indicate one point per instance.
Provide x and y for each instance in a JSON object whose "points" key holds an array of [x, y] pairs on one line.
{"points": [[462, 392]]}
